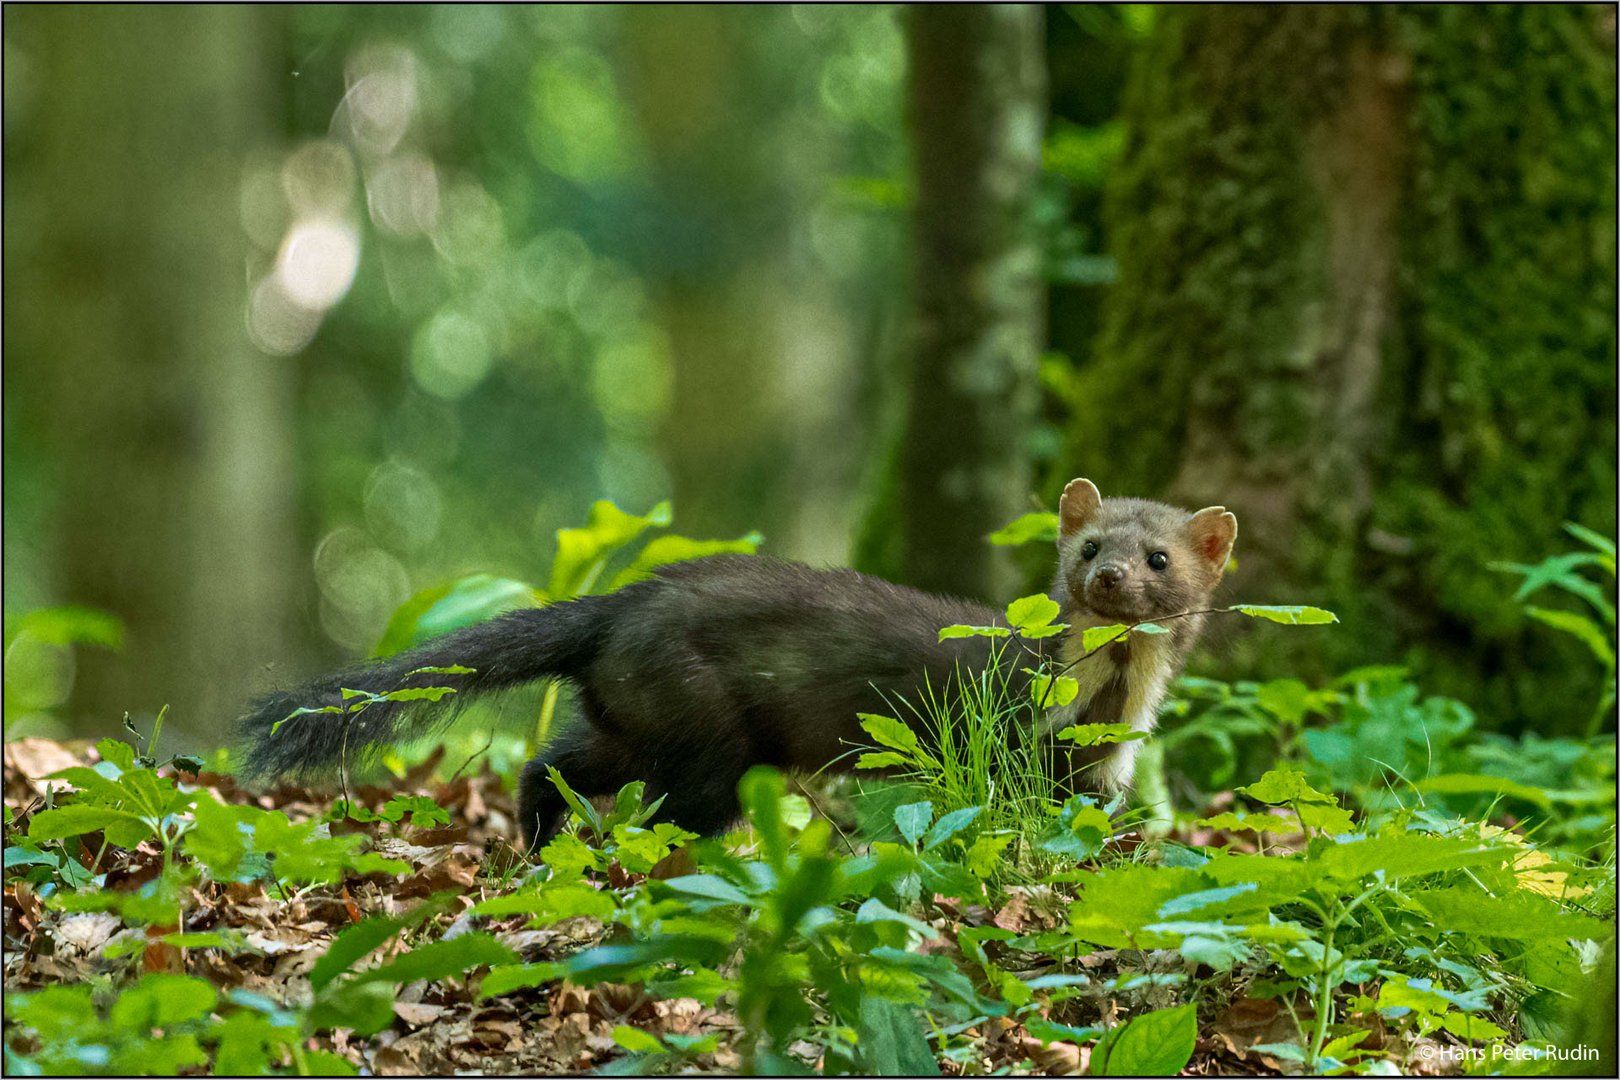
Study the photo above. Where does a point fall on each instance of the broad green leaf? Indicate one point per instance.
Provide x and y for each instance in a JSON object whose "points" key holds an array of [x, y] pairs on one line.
{"points": [[1469, 784], [891, 1040], [1032, 611], [161, 1001], [1158, 1043], [875, 911], [443, 959], [417, 693], [96, 787], [460, 603], [69, 625], [505, 978], [912, 820], [1516, 916], [366, 1007], [358, 940], [551, 902], [961, 631], [885, 760], [1041, 526], [760, 793], [1288, 615], [949, 825], [888, 731], [710, 887], [1284, 785], [1095, 637], [583, 552], [1206, 898], [1251, 823], [1402, 855], [637, 1041], [118, 752], [1099, 734], [1471, 1028], [76, 819], [443, 669], [1048, 692], [664, 550]]}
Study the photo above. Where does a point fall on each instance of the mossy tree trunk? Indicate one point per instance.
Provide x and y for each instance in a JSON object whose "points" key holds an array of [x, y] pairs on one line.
{"points": [[976, 109], [1365, 299], [169, 435]]}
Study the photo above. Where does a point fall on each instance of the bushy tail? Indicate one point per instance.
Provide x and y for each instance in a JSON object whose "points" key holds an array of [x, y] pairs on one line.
{"points": [[506, 651]]}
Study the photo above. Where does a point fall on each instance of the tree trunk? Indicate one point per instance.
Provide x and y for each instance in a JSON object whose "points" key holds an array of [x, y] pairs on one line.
{"points": [[170, 435], [976, 107], [1362, 254]]}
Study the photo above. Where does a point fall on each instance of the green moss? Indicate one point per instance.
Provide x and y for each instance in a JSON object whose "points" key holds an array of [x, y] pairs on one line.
{"points": [[1495, 407]]}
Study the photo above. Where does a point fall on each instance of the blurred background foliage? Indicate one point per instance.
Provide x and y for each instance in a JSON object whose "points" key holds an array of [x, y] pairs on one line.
{"points": [[314, 307]]}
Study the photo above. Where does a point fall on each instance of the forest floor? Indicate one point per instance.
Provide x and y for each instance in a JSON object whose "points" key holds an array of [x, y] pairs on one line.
{"points": [[258, 941]]}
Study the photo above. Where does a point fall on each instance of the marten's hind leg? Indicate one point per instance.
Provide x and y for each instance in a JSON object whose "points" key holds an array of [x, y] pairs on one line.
{"points": [[591, 763]]}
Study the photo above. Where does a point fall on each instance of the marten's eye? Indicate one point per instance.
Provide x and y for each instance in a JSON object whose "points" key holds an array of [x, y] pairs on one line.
{"points": [[1088, 550], [1158, 560]]}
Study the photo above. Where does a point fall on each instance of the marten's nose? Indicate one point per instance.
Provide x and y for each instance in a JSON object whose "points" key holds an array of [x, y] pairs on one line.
{"points": [[1109, 575]]}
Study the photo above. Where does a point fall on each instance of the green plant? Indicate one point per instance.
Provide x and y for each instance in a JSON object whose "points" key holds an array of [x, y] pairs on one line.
{"points": [[1565, 572]]}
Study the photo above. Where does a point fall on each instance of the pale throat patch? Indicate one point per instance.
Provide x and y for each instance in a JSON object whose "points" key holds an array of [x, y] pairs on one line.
{"points": [[1146, 675]]}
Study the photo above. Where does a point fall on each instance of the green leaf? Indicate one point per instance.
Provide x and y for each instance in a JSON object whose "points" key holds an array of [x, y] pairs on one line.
{"points": [[1032, 611], [70, 625], [949, 825], [1469, 784], [1099, 734], [1041, 526], [1047, 693], [885, 760], [1284, 785], [443, 959], [551, 902], [1516, 916], [161, 1001], [583, 552], [581, 808], [1095, 637], [77, 819], [360, 939], [366, 1007], [664, 550], [891, 1040], [876, 911], [442, 669], [637, 1041], [505, 978], [912, 820], [451, 606], [1291, 616], [1579, 626], [710, 887], [888, 731], [961, 631], [1158, 1043]]}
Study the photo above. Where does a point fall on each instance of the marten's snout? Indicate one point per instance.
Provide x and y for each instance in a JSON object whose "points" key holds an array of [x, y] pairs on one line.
{"points": [[1108, 575]]}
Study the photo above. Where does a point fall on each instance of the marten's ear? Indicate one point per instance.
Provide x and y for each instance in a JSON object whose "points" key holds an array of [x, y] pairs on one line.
{"points": [[1212, 531], [1080, 500]]}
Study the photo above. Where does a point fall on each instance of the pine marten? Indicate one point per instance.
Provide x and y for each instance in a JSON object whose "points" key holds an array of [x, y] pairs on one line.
{"points": [[688, 678]]}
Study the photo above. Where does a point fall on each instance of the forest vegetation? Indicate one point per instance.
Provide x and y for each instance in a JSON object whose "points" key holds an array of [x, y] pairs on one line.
{"points": [[330, 329]]}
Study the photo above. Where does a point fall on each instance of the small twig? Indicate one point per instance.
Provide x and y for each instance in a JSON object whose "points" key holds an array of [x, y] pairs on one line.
{"points": [[476, 755]]}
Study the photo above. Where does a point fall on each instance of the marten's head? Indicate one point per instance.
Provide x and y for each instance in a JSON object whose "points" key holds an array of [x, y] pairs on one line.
{"points": [[1130, 560]]}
